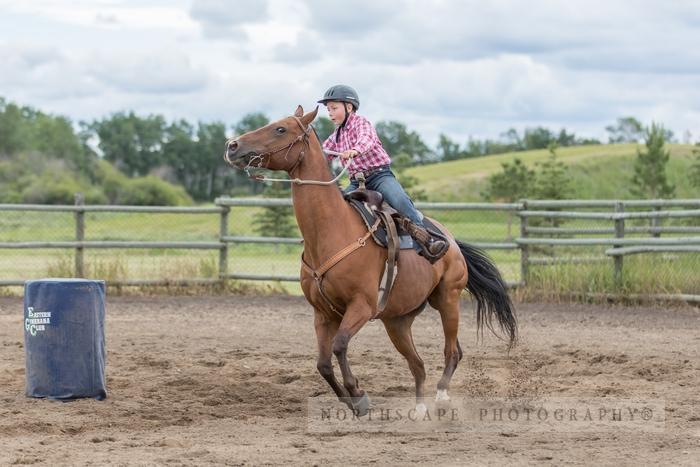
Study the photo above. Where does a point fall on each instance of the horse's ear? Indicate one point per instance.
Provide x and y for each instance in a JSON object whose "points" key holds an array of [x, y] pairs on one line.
{"points": [[299, 112], [309, 117]]}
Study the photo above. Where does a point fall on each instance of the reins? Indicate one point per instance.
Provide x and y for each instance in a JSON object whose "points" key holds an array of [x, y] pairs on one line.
{"points": [[304, 138], [299, 181]]}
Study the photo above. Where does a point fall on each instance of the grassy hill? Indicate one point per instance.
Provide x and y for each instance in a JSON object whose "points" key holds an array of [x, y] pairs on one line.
{"points": [[600, 171]]}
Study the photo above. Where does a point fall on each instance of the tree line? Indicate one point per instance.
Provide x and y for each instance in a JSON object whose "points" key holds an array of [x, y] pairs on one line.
{"points": [[132, 159]]}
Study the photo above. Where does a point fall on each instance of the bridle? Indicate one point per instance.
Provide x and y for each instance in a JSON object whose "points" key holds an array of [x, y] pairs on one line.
{"points": [[262, 163]]}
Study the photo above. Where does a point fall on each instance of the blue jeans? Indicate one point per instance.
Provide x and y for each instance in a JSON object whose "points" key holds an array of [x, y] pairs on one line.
{"points": [[385, 182]]}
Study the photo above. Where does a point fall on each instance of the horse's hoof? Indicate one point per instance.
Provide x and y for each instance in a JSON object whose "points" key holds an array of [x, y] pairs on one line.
{"points": [[442, 396], [421, 410], [360, 405]]}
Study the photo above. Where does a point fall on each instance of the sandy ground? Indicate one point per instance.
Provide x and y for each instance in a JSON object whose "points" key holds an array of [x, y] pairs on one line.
{"points": [[226, 381]]}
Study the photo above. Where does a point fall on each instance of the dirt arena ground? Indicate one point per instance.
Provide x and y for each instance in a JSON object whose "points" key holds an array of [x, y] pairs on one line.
{"points": [[225, 381]]}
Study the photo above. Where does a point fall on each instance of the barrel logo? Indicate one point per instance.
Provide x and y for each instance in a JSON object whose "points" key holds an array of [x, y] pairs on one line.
{"points": [[36, 321]]}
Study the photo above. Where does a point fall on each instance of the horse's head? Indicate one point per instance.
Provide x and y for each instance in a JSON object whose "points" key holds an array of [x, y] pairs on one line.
{"points": [[272, 146]]}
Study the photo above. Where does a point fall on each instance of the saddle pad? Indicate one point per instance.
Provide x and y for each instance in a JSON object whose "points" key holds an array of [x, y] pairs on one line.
{"points": [[379, 236]]}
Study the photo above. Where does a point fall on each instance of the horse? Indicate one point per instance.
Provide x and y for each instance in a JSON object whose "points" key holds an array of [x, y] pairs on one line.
{"points": [[341, 270]]}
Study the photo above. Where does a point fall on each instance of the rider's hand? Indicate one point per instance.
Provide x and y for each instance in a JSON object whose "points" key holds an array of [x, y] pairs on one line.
{"points": [[350, 153]]}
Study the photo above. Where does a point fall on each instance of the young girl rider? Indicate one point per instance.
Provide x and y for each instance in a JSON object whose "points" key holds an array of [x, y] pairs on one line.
{"points": [[362, 152]]}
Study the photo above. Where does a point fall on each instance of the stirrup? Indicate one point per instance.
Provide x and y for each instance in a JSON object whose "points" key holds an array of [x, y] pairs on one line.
{"points": [[437, 247], [433, 245]]}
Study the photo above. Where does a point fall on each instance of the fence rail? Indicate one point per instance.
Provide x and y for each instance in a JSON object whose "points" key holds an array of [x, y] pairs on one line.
{"points": [[530, 215]]}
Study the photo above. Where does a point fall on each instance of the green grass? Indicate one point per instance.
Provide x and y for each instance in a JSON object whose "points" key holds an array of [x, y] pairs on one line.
{"points": [[659, 273], [598, 172]]}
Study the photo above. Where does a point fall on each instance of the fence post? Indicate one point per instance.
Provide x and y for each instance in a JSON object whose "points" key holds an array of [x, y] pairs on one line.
{"points": [[619, 233], [223, 251], [656, 224], [79, 236], [524, 251]]}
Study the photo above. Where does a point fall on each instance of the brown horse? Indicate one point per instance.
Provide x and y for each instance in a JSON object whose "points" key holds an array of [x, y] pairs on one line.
{"points": [[341, 271]]}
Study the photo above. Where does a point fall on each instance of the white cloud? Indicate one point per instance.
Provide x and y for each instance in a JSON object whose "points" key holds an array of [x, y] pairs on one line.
{"points": [[223, 19], [37, 73], [154, 72], [105, 14], [459, 67]]}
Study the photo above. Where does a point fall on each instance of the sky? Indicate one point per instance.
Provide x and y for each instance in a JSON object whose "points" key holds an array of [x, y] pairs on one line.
{"points": [[462, 68]]}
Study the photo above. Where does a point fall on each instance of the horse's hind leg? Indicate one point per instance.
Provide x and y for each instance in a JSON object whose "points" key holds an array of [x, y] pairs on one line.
{"points": [[325, 330], [399, 330], [446, 301]]}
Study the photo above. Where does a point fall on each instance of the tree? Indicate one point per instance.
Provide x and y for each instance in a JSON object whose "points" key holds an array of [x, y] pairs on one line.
{"points": [[649, 180], [275, 221], [132, 143], [211, 138], [27, 129], [552, 179], [695, 169], [511, 184], [400, 163], [565, 138], [512, 139], [397, 139], [14, 131], [250, 122], [324, 128], [239, 181], [626, 130], [538, 138], [587, 141], [448, 150]]}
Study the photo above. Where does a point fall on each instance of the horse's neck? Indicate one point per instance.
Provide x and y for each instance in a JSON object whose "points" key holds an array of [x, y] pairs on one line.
{"points": [[321, 212]]}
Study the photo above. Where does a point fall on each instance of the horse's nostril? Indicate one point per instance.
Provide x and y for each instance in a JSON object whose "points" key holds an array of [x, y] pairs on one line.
{"points": [[232, 146]]}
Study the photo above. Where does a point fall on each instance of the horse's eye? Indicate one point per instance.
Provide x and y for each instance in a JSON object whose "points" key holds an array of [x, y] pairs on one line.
{"points": [[280, 129]]}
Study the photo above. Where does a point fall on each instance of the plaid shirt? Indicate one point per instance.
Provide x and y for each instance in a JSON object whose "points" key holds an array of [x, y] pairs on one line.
{"points": [[360, 135]]}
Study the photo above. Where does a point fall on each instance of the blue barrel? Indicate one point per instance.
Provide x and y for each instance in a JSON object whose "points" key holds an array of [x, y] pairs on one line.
{"points": [[64, 338]]}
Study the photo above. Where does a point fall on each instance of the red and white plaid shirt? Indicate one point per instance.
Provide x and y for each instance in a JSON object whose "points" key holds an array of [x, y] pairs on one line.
{"points": [[360, 135]]}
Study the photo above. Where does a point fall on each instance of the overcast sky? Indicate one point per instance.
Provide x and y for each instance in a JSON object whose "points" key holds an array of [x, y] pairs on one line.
{"points": [[464, 68]]}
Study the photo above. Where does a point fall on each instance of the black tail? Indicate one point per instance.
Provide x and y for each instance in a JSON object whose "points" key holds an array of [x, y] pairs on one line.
{"points": [[490, 292]]}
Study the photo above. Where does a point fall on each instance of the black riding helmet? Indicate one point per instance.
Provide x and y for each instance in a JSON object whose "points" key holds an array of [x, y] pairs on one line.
{"points": [[341, 93]]}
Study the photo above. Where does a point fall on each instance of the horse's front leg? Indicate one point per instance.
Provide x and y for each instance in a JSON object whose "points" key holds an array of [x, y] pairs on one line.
{"points": [[356, 315], [325, 330]]}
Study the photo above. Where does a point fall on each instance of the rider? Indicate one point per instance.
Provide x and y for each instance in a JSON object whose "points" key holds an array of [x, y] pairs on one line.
{"points": [[356, 139]]}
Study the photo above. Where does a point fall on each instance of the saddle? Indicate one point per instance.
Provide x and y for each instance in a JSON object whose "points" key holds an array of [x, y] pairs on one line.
{"points": [[371, 205], [389, 234]]}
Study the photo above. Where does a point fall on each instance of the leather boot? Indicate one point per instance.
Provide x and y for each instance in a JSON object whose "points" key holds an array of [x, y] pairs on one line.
{"points": [[432, 246]]}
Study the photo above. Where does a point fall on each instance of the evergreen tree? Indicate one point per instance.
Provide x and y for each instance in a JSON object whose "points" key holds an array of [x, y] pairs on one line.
{"points": [[552, 179], [512, 183], [552, 182], [695, 168], [649, 180], [275, 221]]}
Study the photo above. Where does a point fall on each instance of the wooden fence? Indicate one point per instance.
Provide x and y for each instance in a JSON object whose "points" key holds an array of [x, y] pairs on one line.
{"points": [[532, 234]]}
